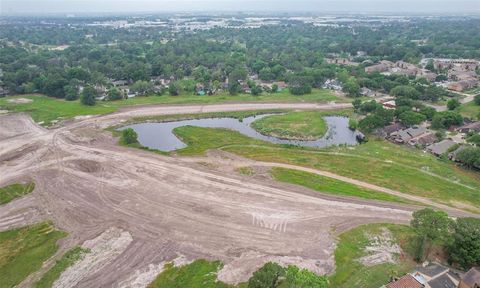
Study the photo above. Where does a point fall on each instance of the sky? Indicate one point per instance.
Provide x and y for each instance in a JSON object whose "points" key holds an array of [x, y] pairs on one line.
{"points": [[29, 7]]}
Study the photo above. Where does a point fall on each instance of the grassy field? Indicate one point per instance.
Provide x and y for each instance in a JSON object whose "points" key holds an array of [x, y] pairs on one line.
{"points": [[23, 251], [377, 161], [330, 186], [67, 260], [307, 125], [198, 274], [10, 192], [47, 109], [351, 246], [470, 110]]}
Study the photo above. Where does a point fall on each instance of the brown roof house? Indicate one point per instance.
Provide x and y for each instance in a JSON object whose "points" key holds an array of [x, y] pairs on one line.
{"points": [[407, 281], [470, 127], [471, 279]]}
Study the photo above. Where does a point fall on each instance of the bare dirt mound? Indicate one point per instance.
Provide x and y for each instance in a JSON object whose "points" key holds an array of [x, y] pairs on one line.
{"points": [[103, 250], [382, 249]]}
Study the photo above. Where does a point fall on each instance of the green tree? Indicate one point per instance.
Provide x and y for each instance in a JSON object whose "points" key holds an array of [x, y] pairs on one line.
{"points": [[172, 89], [71, 93], [88, 96], [410, 118], [267, 276], [256, 90], [469, 156], [114, 94], [474, 139], [477, 99], [465, 247], [357, 103], [303, 278], [233, 88], [351, 87], [129, 136], [453, 104], [274, 88], [405, 91], [142, 87], [445, 119], [431, 226], [429, 112]]}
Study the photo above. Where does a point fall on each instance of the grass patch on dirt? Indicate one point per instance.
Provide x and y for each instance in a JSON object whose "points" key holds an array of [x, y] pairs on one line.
{"points": [[198, 274], [47, 109], [305, 125], [245, 171], [330, 186], [383, 164], [68, 259], [351, 246], [10, 192], [378, 162], [200, 139], [470, 110], [23, 251]]}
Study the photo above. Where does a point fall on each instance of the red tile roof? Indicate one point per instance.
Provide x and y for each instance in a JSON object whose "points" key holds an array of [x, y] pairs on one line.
{"points": [[406, 281]]}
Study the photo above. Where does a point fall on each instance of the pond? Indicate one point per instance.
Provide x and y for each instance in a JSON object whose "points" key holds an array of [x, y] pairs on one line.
{"points": [[160, 136]]}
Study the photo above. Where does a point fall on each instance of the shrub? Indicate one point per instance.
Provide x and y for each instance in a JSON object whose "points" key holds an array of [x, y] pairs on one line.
{"points": [[266, 277], [476, 99], [129, 136], [453, 104]]}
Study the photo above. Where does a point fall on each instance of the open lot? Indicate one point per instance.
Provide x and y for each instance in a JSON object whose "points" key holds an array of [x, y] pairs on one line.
{"points": [[87, 184], [149, 209]]}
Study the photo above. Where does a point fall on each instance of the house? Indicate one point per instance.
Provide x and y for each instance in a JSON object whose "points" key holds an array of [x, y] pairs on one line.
{"points": [[364, 91], [383, 66], [441, 147], [423, 140], [471, 279], [437, 276], [470, 127], [3, 91], [389, 104], [392, 128], [118, 83], [407, 281], [332, 84], [341, 61], [405, 135], [432, 275], [281, 85]]}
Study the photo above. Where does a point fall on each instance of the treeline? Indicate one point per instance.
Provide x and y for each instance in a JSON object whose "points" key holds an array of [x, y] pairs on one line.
{"points": [[294, 53]]}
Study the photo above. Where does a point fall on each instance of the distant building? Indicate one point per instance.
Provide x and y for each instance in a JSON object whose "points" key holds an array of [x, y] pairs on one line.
{"points": [[405, 135], [470, 127], [440, 147], [431, 276], [471, 279], [407, 281]]}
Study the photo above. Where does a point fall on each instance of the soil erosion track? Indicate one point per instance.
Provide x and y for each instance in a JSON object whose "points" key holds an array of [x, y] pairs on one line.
{"points": [[167, 208]]}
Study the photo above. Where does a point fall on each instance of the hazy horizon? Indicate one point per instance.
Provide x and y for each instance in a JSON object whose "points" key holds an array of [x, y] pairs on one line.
{"points": [[39, 7]]}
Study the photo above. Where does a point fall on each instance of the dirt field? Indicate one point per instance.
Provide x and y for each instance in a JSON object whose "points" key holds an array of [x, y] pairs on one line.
{"points": [[153, 208]]}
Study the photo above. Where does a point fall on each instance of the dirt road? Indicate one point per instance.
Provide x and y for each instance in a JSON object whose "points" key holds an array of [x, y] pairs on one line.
{"points": [[165, 207]]}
